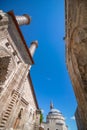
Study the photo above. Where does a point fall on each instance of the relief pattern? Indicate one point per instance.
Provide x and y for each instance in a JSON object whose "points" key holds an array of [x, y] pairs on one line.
{"points": [[78, 45], [4, 63], [79, 48], [7, 66]]}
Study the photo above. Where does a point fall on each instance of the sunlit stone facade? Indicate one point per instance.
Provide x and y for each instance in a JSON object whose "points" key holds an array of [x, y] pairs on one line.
{"points": [[18, 105]]}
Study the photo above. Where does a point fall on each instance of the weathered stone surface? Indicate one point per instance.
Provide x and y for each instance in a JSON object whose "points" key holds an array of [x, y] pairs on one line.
{"points": [[76, 54], [18, 105]]}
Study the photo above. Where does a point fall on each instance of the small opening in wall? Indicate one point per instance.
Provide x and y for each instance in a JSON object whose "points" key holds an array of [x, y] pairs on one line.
{"points": [[14, 53], [18, 62], [7, 44]]}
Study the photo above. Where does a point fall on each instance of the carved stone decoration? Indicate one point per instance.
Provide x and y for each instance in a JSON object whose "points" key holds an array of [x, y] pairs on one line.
{"points": [[7, 67], [76, 55], [79, 48], [83, 12], [11, 50], [4, 63]]}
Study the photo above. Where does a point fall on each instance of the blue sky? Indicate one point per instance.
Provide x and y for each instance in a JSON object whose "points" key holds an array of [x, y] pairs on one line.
{"points": [[49, 73]]}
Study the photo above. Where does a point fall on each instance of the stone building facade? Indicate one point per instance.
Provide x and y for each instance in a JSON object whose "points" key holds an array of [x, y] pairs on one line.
{"points": [[54, 120], [18, 105], [76, 55]]}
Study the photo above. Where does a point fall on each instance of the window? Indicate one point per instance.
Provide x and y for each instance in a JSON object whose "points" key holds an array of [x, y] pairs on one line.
{"points": [[20, 113], [17, 121]]}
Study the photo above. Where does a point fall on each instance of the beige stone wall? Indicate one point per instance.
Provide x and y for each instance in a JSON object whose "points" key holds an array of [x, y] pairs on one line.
{"points": [[76, 51], [27, 93], [28, 121], [17, 103]]}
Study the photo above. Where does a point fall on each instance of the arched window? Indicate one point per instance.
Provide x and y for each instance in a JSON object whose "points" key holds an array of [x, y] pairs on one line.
{"points": [[17, 122], [20, 113]]}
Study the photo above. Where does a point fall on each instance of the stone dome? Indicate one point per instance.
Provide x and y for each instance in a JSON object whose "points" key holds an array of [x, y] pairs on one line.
{"points": [[55, 115], [54, 111]]}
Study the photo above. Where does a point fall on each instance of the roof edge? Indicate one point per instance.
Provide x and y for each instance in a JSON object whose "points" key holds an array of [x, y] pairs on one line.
{"points": [[11, 13], [32, 88]]}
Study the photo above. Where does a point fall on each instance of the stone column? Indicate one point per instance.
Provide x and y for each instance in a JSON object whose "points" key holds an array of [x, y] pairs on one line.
{"points": [[33, 47], [24, 19]]}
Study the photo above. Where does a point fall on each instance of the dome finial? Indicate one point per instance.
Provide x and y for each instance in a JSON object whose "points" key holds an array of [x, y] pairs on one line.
{"points": [[51, 105]]}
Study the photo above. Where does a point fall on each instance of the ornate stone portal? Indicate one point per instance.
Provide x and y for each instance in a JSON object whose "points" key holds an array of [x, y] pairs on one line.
{"points": [[18, 104], [76, 54]]}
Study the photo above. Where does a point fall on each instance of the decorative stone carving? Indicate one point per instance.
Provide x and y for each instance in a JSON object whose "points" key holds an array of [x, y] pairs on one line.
{"points": [[11, 50], [83, 13], [4, 63], [7, 67], [79, 48], [76, 55]]}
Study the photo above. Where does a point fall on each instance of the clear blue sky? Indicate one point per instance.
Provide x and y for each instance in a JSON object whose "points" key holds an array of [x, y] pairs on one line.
{"points": [[49, 73]]}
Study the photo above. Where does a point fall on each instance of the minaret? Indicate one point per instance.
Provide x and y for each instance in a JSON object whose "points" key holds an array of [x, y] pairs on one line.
{"points": [[24, 19], [51, 105], [33, 47]]}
